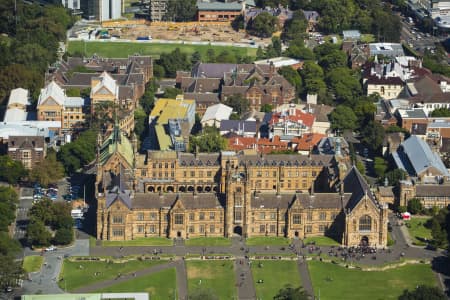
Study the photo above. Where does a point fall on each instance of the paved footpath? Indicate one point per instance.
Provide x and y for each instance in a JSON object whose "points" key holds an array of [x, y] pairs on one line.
{"points": [[244, 279]]}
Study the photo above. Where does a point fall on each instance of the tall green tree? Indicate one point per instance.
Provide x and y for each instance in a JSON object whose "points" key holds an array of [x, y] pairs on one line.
{"points": [[343, 118], [263, 25], [48, 170], [209, 140], [181, 11], [11, 170], [239, 104], [173, 62], [291, 293], [423, 292]]}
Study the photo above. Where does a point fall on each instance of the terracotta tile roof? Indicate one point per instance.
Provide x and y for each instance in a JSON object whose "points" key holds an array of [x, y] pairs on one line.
{"points": [[305, 118], [262, 145], [307, 141]]}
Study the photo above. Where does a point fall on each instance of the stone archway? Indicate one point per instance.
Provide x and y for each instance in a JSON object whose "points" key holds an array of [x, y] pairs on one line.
{"points": [[364, 241], [170, 189], [207, 189], [182, 189], [199, 189], [237, 230], [215, 189], [151, 189], [190, 188], [159, 189]]}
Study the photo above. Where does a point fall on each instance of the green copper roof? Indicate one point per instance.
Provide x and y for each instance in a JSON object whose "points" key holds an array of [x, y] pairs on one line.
{"points": [[117, 142]]}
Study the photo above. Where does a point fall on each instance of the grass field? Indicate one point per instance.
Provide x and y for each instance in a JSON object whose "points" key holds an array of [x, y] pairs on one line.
{"points": [[275, 274], [32, 263], [154, 241], [335, 282], [208, 241], [217, 276], [321, 241], [117, 50], [418, 232], [79, 273], [267, 241], [160, 286]]}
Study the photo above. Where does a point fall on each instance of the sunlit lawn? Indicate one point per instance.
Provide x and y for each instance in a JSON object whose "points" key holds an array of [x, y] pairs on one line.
{"points": [[321, 241], [336, 282], [81, 273], [160, 286], [208, 241], [275, 275], [124, 49], [217, 276], [151, 241], [267, 241], [417, 231], [32, 263]]}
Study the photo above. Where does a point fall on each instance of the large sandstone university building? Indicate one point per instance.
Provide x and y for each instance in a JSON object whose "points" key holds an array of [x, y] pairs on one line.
{"points": [[170, 194]]}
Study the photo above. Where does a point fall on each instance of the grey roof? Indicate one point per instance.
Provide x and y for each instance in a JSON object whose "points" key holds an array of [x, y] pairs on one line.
{"points": [[205, 159], [415, 113], [217, 5], [355, 184], [284, 201], [238, 125], [432, 190], [286, 160], [211, 70], [189, 201], [415, 157], [117, 195]]}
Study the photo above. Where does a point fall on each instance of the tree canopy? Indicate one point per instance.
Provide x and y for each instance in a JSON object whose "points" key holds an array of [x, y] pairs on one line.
{"points": [[12, 170], [48, 170], [342, 118], [423, 292], [263, 25], [291, 293], [79, 152], [181, 11], [209, 140]]}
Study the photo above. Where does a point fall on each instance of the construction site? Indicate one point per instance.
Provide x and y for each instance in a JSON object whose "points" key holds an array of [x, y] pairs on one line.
{"points": [[187, 31]]}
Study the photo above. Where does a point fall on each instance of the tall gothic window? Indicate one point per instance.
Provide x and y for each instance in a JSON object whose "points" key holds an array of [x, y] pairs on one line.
{"points": [[365, 223]]}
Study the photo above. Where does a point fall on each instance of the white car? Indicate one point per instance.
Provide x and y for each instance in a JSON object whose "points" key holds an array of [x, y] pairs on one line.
{"points": [[51, 248]]}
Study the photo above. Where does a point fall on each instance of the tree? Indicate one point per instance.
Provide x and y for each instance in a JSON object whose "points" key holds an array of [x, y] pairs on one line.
{"points": [[415, 206], [266, 108], [423, 292], [209, 140], [394, 176], [293, 77], [79, 152], [344, 85], [239, 104], [373, 135], [181, 11], [380, 166], [238, 23], [37, 234], [210, 55], [173, 62], [297, 49], [441, 112], [10, 271], [196, 57], [147, 100], [342, 118], [276, 44], [63, 236], [8, 203], [263, 25], [291, 293], [12, 170], [48, 170], [295, 28], [172, 93]]}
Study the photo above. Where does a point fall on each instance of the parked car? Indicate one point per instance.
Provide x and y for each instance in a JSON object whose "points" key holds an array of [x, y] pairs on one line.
{"points": [[51, 248]]}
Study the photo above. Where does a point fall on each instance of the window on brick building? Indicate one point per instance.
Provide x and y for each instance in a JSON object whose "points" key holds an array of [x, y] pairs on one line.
{"points": [[179, 219], [296, 219]]}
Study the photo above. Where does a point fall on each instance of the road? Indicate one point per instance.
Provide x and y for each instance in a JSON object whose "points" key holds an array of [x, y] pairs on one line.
{"points": [[419, 41]]}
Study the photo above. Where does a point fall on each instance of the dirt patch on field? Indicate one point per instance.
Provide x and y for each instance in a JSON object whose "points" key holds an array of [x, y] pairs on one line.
{"points": [[203, 272]]}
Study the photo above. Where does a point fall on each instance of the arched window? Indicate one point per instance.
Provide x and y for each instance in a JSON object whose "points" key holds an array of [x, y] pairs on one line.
{"points": [[365, 223]]}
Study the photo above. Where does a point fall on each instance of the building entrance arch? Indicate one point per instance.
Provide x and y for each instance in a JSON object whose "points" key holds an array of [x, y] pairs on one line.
{"points": [[238, 230], [364, 241]]}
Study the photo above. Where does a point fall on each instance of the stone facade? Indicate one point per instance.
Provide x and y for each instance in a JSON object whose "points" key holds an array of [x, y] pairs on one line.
{"points": [[184, 195]]}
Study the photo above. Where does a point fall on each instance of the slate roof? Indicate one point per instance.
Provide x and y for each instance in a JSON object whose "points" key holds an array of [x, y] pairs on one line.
{"points": [[432, 190], [238, 125], [355, 184], [219, 6], [201, 159], [415, 157], [286, 160], [203, 97], [189, 201], [26, 142], [285, 201], [118, 195]]}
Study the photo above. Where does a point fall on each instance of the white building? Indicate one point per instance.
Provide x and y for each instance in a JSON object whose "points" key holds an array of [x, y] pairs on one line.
{"points": [[215, 114], [17, 106]]}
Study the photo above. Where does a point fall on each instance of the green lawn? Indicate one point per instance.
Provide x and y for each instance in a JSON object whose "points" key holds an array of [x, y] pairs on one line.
{"points": [[119, 49], [208, 241], [32, 263], [80, 273], [321, 241], [160, 286], [217, 276], [153, 241], [267, 241], [275, 274], [335, 282], [417, 231]]}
